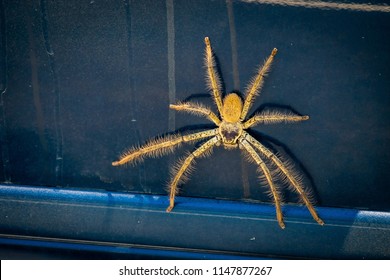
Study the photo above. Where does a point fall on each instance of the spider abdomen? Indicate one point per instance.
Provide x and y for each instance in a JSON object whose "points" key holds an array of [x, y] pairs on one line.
{"points": [[232, 107]]}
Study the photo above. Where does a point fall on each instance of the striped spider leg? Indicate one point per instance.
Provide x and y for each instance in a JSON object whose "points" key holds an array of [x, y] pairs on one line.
{"points": [[231, 124], [167, 144]]}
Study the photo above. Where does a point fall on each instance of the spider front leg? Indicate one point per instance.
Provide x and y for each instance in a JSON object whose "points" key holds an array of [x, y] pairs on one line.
{"points": [[213, 80], [184, 166], [279, 216], [256, 84], [290, 177]]}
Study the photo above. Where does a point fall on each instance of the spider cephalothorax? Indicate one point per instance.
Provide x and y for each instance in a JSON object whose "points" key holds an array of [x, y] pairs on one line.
{"points": [[231, 133]]}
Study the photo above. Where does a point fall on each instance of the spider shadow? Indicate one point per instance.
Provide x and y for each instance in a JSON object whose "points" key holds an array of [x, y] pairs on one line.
{"points": [[194, 128], [197, 96], [277, 107]]}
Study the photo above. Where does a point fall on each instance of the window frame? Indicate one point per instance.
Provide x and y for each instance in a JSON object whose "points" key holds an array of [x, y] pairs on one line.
{"points": [[137, 225]]}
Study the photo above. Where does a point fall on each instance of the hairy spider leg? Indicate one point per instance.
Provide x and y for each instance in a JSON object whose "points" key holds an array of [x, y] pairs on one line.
{"points": [[185, 165], [273, 117], [161, 146], [212, 77], [244, 143], [271, 156], [196, 109], [256, 84]]}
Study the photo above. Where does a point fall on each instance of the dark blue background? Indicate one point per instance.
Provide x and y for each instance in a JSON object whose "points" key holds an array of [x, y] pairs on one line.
{"points": [[81, 81]]}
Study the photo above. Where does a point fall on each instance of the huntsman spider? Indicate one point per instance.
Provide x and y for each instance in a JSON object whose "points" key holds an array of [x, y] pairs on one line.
{"points": [[231, 125]]}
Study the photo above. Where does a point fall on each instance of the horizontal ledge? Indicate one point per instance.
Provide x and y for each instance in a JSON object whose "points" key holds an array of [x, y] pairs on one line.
{"points": [[195, 206], [195, 225], [114, 249]]}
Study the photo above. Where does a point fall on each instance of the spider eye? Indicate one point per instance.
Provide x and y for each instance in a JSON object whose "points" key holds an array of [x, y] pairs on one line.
{"points": [[232, 107]]}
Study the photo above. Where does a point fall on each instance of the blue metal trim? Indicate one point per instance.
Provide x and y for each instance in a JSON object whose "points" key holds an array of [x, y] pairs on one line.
{"points": [[122, 249], [196, 224]]}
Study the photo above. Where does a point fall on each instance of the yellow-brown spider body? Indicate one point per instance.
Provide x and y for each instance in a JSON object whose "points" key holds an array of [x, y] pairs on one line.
{"points": [[230, 132], [230, 129]]}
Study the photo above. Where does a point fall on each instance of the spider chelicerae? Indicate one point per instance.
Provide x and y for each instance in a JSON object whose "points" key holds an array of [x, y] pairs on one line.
{"points": [[230, 132]]}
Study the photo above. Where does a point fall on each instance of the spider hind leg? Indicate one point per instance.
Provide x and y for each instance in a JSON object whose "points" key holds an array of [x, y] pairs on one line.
{"points": [[252, 155], [160, 146], [153, 148], [293, 180]]}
